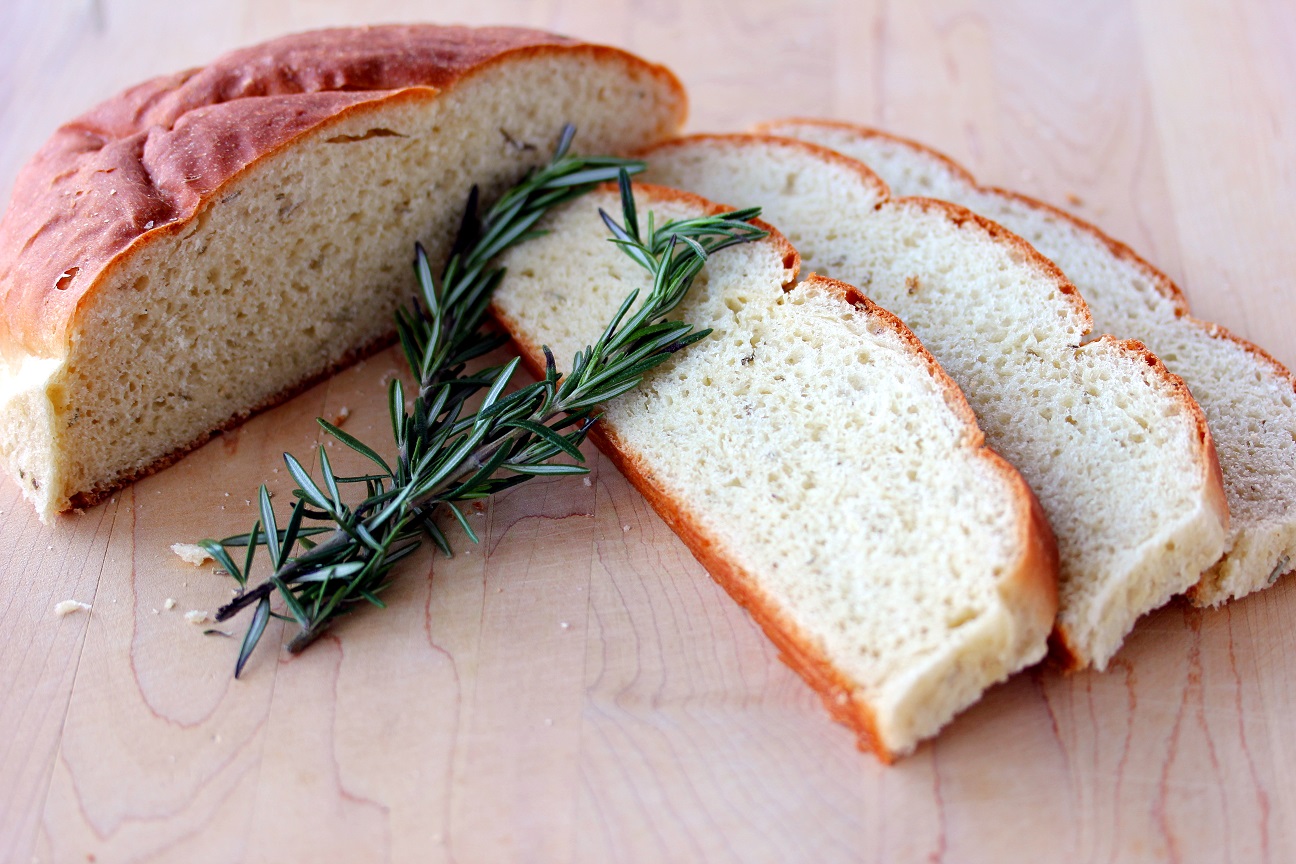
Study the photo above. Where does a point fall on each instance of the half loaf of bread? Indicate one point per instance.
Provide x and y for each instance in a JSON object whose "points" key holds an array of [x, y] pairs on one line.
{"points": [[207, 243], [1112, 443], [819, 463], [1248, 397]]}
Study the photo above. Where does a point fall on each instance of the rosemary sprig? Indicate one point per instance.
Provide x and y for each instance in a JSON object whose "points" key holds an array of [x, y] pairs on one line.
{"points": [[443, 457]]}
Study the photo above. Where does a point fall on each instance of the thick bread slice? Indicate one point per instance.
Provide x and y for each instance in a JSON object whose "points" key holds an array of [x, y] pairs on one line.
{"points": [[1248, 397], [821, 466], [207, 243], [1111, 442]]}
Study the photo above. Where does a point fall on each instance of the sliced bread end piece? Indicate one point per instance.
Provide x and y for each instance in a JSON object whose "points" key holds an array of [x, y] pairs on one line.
{"points": [[821, 466]]}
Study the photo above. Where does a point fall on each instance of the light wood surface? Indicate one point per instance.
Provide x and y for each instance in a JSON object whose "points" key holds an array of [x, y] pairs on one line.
{"points": [[576, 688]]}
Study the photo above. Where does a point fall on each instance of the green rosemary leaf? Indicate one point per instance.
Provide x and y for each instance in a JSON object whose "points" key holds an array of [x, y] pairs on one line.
{"points": [[628, 211], [548, 469], [293, 531], [472, 535], [357, 445], [251, 549], [332, 571], [549, 436], [306, 484], [271, 527], [412, 350], [290, 600], [361, 478], [397, 554], [565, 139], [396, 405], [513, 234], [368, 595], [501, 381], [601, 396], [217, 551], [438, 537], [240, 540], [479, 477], [423, 273], [581, 178], [259, 620]]}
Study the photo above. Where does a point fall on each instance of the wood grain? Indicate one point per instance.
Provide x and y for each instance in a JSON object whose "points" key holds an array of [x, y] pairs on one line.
{"points": [[576, 688]]}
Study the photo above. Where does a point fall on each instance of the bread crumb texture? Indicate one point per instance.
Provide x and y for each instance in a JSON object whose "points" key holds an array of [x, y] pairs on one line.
{"points": [[293, 266], [191, 553], [65, 608], [1248, 398], [812, 447], [1106, 441]]}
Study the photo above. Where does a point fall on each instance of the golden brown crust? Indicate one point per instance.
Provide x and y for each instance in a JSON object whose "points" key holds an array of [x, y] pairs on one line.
{"points": [[1206, 457], [1163, 283], [956, 214], [772, 128], [1061, 652], [142, 164], [795, 648], [1033, 580], [853, 166]]}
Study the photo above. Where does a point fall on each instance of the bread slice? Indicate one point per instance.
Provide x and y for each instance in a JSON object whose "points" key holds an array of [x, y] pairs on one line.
{"points": [[1111, 442], [821, 466], [1248, 397], [207, 243]]}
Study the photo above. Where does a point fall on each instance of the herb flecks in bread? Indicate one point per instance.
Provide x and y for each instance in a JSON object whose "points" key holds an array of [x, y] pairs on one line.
{"points": [[1249, 398], [1112, 444], [152, 244], [820, 465]]}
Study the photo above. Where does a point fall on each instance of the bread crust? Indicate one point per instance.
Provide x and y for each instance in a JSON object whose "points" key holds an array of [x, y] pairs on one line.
{"points": [[956, 214], [154, 156], [1164, 284], [1199, 594], [1063, 653], [1030, 586]]}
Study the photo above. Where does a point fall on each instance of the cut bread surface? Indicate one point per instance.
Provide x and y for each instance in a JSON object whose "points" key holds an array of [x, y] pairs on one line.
{"points": [[1112, 444], [821, 466], [1248, 397], [283, 250]]}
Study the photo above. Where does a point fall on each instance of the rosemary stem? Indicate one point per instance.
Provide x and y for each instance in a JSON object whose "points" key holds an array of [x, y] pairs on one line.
{"points": [[523, 433]]}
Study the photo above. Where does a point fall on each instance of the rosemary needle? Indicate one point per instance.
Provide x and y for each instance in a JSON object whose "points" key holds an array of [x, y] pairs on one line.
{"points": [[445, 457]]}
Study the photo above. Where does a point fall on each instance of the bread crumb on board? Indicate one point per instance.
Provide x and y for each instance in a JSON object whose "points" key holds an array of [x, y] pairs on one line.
{"points": [[197, 616], [191, 553], [65, 608], [169, 604]]}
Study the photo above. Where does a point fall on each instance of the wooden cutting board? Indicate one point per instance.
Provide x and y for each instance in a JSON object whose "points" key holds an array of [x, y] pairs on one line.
{"points": [[576, 688]]}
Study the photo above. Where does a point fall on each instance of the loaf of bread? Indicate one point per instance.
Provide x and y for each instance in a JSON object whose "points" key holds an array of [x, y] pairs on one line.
{"points": [[1112, 443], [207, 243], [1248, 397], [819, 463]]}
